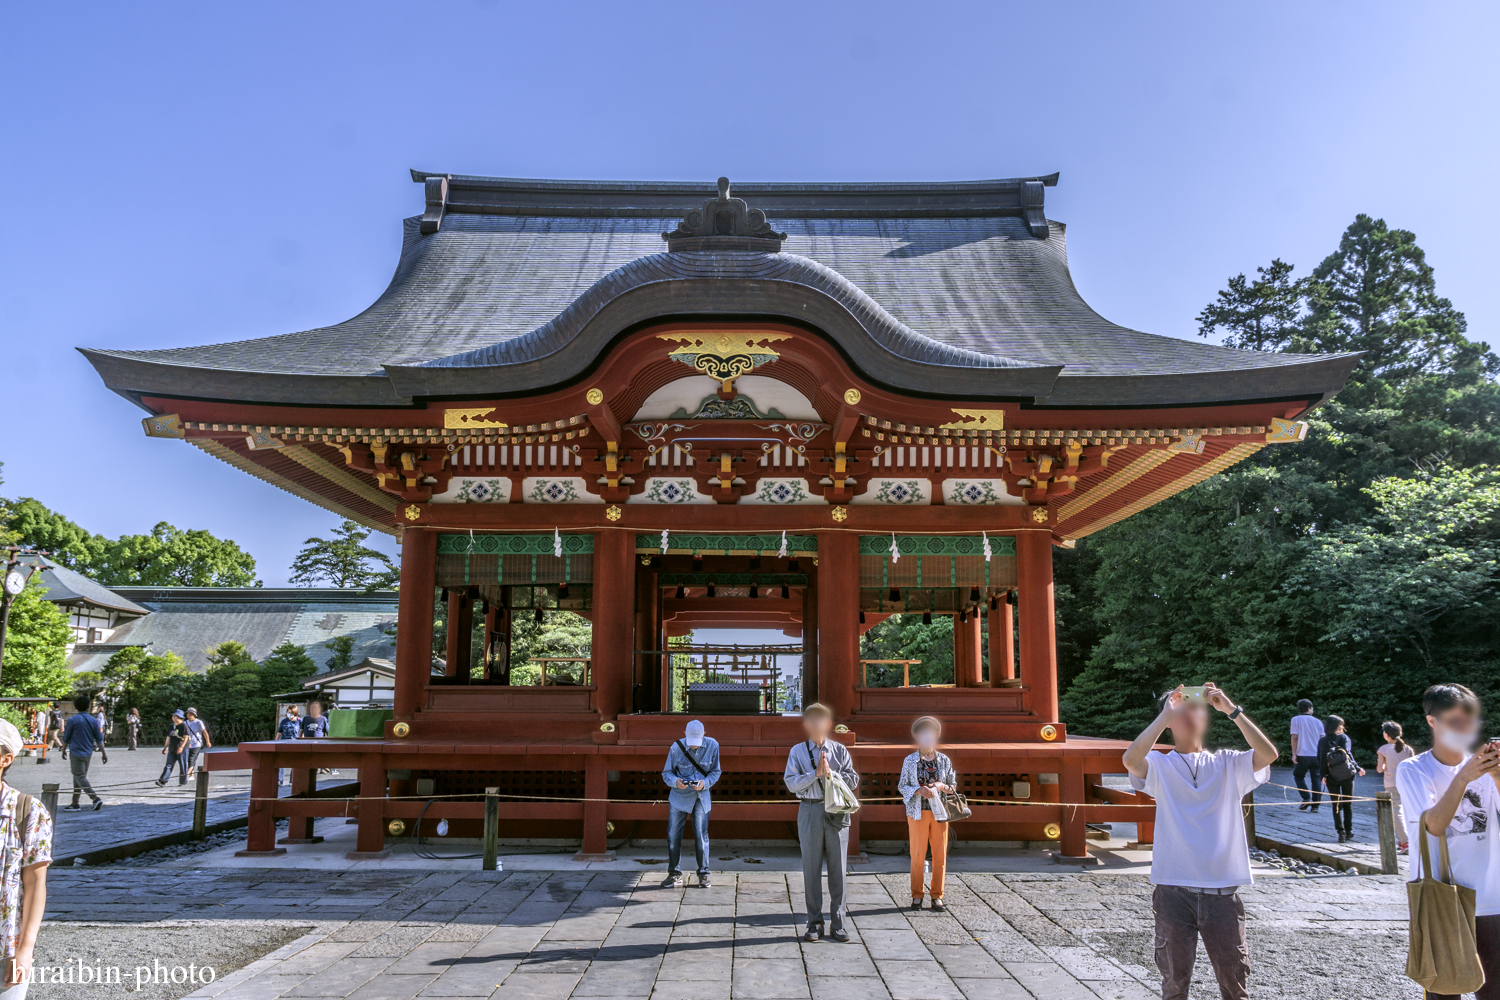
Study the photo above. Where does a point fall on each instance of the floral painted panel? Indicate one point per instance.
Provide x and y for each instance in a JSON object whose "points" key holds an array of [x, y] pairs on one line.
{"points": [[670, 491], [484, 489], [559, 489], [899, 492], [781, 491], [978, 493]]}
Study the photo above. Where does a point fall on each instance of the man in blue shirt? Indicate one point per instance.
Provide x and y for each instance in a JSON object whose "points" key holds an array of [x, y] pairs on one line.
{"points": [[692, 769], [290, 728], [81, 734]]}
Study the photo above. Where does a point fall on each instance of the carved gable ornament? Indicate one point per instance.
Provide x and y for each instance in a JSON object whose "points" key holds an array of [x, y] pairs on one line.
{"points": [[724, 223]]}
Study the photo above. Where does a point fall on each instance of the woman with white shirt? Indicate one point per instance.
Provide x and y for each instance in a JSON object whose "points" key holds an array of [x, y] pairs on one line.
{"points": [[1201, 856], [925, 776], [1387, 759]]}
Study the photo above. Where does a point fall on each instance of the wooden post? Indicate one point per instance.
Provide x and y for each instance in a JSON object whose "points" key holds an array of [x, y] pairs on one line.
{"points": [[613, 649], [457, 601], [595, 846], [1002, 643], [810, 638], [1038, 626], [491, 616], [1247, 807], [838, 621], [414, 621], [643, 669], [1385, 821], [968, 647], [370, 836], [1075, 842], [49, 798], [503, 625], [491, 828], [200, 804], [299, 829], [260, 836]]}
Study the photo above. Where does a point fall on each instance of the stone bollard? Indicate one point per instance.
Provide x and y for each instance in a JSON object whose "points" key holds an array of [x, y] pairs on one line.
{"points": [[491, 828], [200, 805], [1385, 819]]}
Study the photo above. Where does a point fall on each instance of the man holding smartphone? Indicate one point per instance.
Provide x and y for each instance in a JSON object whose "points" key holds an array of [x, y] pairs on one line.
{"points": [[692, 769], [1201, 857]]}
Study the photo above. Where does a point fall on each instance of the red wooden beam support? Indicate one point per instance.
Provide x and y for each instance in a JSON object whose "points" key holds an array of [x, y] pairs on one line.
{"points": [[260, 838], [414, 618], [613, 648], [1038, 625], [838, 621], [370, 837]]}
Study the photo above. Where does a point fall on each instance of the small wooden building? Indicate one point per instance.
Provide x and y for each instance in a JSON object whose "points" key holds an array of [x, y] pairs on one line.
{"points": [[802, 406]]}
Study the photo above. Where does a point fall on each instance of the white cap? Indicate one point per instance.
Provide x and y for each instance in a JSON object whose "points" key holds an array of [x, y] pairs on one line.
{"points": [[694, 735], [10, 737]]}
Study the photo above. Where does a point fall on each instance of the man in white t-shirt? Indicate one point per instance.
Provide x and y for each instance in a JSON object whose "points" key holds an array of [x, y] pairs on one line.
{"points": [[1456, 790], [1307, 733], [1200, 858]]}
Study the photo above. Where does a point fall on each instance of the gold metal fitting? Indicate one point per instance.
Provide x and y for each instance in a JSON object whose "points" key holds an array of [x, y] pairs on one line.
{"points": [[396, 827], [609, 829], [840, 514], [401, 730], [412, 512], [607, 727], [594, 396], [851, 396], [1052, 830], [1039, 514], [613, 512], [1049, 733], [841, 728]]}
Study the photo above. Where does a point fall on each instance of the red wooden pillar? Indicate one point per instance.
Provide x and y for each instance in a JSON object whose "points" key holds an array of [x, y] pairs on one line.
{"points": [[595, 846], [414, 620], [613, 648], [299, 829], [810, 640], [645, 673], [968, 646], [1002, 643], [460, 633], [838, 621], [491, 616], [1038, 627], [1074, 828], [370, 835], [260, 839]]}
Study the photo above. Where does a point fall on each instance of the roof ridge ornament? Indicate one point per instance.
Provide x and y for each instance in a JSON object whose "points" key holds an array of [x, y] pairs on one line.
{"points": [[724, 223]]}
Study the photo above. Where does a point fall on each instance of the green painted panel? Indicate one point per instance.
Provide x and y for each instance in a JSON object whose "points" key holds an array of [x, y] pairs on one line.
{"points": [[733, 579], [769, 545], [513, 545], [937, 545]]}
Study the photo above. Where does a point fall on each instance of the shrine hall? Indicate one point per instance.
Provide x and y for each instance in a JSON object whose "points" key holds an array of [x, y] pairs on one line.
{"points": [[667, 406]]}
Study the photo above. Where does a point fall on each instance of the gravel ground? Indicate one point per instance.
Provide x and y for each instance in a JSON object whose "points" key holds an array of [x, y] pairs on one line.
{"points": [[223, 946]]}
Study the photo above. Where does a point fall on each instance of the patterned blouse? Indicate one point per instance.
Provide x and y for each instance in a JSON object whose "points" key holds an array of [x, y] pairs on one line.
{"points": [[21, 851], [916, 772]]}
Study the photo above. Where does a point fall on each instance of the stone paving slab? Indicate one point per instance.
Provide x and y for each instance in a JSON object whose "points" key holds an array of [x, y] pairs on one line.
{"points": [[610, 934]]}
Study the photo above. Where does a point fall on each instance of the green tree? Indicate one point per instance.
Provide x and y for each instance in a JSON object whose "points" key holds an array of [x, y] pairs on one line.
{"points": [[33, 526], [285, 668], [561, 633], [344, 560], [1260, 315], [170, 556], [231, 693], [343, 652], [154, 685], [904, 637], [36, 647]]}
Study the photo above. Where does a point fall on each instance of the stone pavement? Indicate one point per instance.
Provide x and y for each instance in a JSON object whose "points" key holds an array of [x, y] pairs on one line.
{"points": [[1284, 822], [398, 934], [136, 808]]}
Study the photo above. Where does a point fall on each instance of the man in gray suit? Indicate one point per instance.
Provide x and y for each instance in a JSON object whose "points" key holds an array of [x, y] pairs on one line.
{"points": [[824, 836]]}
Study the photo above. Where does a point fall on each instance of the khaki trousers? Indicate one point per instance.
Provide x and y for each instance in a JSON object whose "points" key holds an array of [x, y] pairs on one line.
{"points": [[928, 832]]}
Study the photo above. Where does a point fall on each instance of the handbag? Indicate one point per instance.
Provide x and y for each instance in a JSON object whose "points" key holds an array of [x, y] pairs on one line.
{"points": [[956, 805], [1442, 956]]}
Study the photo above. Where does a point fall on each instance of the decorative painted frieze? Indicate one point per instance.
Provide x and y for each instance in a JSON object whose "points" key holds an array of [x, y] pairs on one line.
{"points": [[781, 491], [479, 489], [898, 492], [556, 489], [664, 490], [978, 493]]}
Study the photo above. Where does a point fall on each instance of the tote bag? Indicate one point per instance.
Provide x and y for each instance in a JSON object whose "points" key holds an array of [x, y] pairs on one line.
{"points": [[1442, 956]]}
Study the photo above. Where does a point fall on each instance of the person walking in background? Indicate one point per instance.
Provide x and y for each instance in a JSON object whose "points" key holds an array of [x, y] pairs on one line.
{"points": [[1336, 758], [824, 837], [1201, 857], [133, 727], [1307, 731], [198, 740], [1387, 759], [692, 769], [290, 728], [81, 735], [1456, 788], [175, 747], [99, 713], [925, 776], [315, 727], [26, 832], [54, 730]]}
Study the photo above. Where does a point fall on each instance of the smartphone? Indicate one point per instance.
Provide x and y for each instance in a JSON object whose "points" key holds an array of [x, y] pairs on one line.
{"points": [[1193, 694]]}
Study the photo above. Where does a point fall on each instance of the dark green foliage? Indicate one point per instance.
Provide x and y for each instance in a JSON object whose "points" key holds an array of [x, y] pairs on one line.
{"points": [[286, 667], [36, 640], [1355, 568], [343, 652], [903, 637], [344, 560]]}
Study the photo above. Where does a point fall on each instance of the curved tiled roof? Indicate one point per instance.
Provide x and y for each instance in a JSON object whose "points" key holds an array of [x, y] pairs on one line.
{"points": [[506, 281]]}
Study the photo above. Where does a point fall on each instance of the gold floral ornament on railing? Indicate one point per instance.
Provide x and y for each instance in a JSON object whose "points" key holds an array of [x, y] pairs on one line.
{"points": [[724, 356]]}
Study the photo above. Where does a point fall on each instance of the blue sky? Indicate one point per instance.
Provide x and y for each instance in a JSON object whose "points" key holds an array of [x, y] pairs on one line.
{"points": [[186, 174]]}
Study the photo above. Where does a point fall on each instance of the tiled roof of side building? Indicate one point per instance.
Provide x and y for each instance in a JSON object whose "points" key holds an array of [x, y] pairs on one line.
{"points": [[976, 289]]}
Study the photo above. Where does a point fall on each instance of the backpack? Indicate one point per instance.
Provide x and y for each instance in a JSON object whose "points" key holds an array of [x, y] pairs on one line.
{"points": [[1341, 763]]}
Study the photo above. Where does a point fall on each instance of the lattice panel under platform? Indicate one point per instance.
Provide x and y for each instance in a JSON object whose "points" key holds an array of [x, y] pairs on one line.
{"points": [[530, 784]]}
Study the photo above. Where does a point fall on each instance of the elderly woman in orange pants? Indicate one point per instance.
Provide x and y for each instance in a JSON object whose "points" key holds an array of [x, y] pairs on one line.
{"points": [[925, 776]]}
